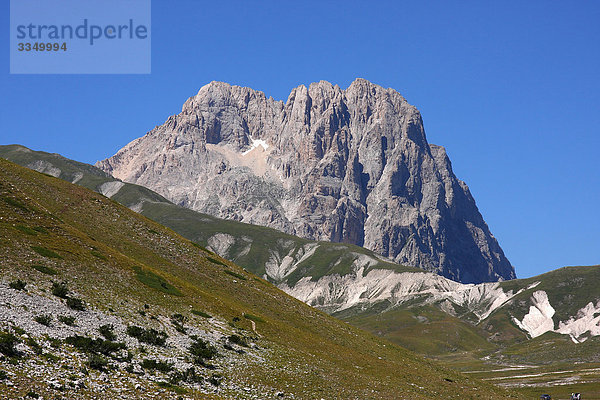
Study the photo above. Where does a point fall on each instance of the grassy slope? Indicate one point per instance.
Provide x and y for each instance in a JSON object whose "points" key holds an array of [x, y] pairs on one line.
{"points": [[329, 358], [424, 329]]}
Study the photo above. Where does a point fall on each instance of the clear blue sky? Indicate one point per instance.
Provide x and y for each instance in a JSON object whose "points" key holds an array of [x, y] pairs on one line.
{"points": [[510, 88]]}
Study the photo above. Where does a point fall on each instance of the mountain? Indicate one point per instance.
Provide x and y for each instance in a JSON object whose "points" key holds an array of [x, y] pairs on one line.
{"points": [[97, 301], [350, 166]]}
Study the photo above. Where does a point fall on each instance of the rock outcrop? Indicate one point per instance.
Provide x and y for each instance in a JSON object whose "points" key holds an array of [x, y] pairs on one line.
{"points": [[350, 166]]}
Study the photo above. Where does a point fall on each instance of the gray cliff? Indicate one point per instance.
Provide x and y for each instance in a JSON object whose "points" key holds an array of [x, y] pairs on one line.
{"points": [[349, 166]]}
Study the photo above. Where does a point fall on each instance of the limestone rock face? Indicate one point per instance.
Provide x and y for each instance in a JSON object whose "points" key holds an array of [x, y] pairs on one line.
{"points": [[349, 166]]}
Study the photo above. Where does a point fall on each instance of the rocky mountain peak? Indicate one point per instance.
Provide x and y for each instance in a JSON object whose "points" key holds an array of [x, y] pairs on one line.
{"points": [[349, 166]]}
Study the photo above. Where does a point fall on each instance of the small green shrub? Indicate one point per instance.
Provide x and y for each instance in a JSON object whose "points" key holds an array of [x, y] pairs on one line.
{"points": [[43, 319], [161, 366], [97, 346], [54, 342], [18, 330], [177, 320], [17, 285], [45, 270], [239, 340], [59, 289], [7, 344], [108, 332], [75, 304], [201, 350], [215, 380], [3, 375], [26, 230], [235, 274], [40, 229], [51, 357], [32, 394], [67, 320], [190, 376], [35, 346], [97, 362], [201, 314], [150, 336], [42, 251]]}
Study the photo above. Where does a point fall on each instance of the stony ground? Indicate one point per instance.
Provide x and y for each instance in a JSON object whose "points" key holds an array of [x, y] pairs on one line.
{"points": [[44, 365]]}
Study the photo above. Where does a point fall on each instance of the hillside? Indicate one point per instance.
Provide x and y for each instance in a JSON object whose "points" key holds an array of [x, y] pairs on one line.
{"points": [[98, 278]]}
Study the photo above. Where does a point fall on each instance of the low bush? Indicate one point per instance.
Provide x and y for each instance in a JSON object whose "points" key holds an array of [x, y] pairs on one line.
{"points": [[202, 248], [239, 340], [60, 289], [215, 380], [201, 350], [75, 304], [7, 344], [43, 319], [40, 229], [15, 203], [177, 320], [35, 346], [154, 365], [189, 375], [97, 362], [94, 346], [17, 285], [99, 255], [150, 336], [107, 331], [67, 320]]}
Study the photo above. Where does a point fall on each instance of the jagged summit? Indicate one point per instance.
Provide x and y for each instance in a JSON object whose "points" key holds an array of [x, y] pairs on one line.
{"points": [[349, 166]]}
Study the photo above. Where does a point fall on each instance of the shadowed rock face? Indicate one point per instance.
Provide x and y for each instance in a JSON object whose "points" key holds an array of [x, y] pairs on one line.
{"points": [[329, 164]]}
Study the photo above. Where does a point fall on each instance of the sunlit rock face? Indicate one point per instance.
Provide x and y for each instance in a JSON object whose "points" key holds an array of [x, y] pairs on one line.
{"points": [[350, 166]]}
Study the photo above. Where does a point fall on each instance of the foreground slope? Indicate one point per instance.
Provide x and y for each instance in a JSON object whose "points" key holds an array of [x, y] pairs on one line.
{"points": [[351, 166], [121, 270]]}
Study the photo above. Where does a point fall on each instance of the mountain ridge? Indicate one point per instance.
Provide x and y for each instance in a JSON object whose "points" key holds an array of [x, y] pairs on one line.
{"points": [[351, 166]]}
